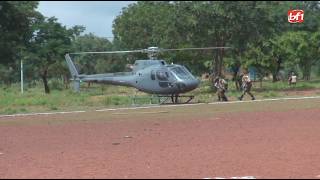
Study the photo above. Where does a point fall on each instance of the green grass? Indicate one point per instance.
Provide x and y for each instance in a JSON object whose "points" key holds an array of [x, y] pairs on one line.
{"points": [[100, 96], [282, 86], [270, 94]]}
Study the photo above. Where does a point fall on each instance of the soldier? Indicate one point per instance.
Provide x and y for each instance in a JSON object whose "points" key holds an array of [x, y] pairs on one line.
{"points": [[246, 86], [222, 87]]}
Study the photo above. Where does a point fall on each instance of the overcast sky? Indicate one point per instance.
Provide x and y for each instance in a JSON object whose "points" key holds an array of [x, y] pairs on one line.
{"points": [[96, 16]]}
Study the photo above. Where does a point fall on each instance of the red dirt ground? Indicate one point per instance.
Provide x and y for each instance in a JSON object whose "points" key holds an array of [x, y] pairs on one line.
{"points": [[259, 144]]}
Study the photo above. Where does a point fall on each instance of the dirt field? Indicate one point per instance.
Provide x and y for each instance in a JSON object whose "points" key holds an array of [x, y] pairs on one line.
{"points": [[277, 139]]}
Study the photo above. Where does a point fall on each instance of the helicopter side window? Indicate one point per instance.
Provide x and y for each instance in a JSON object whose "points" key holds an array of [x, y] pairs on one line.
{"points": [[164, 84], [161, 76], [153, 75]]}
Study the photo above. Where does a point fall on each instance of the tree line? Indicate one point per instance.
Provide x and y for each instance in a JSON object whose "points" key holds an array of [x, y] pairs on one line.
{"points": [[257, 31]]}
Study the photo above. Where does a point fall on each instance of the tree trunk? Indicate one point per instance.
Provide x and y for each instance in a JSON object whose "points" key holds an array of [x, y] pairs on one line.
{"points": [[221, 59], [215, 65], [218, 58], [235, 78], [45, 81], [218, 62], [236, 70], [235, 75], [274, 77], [275, 74], [306, 76], [306, 72]]}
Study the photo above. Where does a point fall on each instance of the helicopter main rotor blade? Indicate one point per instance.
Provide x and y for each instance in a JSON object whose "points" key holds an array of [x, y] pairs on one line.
{"points": [[153, 50], [109, 52], [205, 48]]}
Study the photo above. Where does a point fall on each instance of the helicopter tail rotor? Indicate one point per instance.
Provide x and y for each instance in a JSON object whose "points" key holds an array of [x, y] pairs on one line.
{"points": [[71, 66], [74, 73]]}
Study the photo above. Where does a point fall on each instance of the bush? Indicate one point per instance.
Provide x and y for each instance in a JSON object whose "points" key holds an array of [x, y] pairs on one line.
{"points": [[56, 84]]}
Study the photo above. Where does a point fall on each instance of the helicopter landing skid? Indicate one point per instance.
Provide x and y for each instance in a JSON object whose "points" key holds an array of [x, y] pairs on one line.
{"points": [[163, 99], [174, 99]]}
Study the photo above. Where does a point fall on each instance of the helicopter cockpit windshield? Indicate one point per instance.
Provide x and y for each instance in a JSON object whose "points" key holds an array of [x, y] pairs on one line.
{"points": [[181, 72]]}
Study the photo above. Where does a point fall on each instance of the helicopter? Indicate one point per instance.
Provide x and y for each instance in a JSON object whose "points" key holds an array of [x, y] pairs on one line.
{"points": [[152, 76]]}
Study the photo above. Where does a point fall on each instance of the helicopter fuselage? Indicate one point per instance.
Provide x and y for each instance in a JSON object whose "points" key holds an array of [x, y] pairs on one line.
{"points": [[150, 76]]}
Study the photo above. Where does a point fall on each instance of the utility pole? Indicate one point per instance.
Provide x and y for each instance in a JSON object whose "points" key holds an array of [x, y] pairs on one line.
{"points": [[21, 76]]}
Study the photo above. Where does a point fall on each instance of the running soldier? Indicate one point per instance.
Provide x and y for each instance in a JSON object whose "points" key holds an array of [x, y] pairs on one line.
{"points": [[246, 87], [222, 87]]}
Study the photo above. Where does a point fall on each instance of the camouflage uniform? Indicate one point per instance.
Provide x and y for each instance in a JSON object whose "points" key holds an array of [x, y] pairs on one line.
{"points": [[221, 86], [246, 87]]}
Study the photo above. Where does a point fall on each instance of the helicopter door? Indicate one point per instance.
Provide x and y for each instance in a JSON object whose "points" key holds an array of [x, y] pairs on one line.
{"points": [[163, 78]]}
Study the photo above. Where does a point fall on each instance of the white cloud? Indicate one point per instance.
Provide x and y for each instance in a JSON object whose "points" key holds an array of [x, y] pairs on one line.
{"points": [[96, 16]]}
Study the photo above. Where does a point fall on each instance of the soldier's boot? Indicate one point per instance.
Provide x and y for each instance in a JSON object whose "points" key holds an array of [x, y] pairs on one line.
{"points": [[225, 98], [240, 98], [252, 97]]}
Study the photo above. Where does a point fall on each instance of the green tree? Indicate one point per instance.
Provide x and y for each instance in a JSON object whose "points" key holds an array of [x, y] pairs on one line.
{"points": [[196, 24], [142, 24], [50, 43], [93, 63], [303, 50], [16, 19]]}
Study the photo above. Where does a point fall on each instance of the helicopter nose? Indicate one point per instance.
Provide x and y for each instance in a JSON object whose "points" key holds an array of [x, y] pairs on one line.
{"points": [[194, 84], [181, 86], [188, 86]]}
